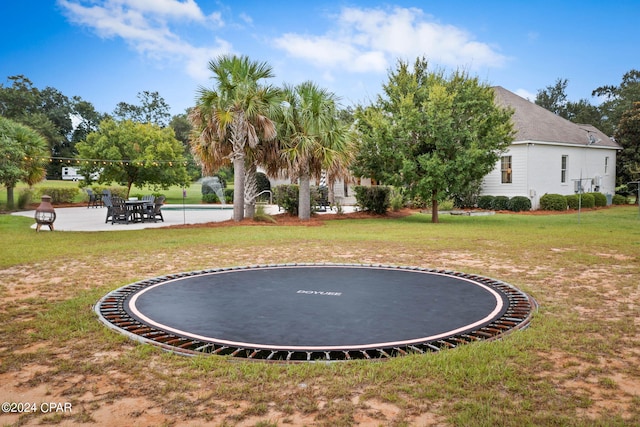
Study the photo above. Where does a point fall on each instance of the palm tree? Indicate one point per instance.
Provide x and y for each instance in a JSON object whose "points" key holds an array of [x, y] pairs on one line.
{"points": [[312, 138], [234, 117]]}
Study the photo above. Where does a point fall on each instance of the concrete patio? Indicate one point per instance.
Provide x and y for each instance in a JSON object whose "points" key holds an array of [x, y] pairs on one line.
{"points": [[93, 219]]}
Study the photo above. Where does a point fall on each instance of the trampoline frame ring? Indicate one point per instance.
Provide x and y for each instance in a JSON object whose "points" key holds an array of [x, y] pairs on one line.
{"points": [[110, 310]]}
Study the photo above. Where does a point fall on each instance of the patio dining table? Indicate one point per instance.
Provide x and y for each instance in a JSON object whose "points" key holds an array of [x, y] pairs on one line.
{"points": [[135, 210]]}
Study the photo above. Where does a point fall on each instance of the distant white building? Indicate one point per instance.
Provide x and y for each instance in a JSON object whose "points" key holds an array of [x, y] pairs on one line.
{"points": [[550, 155], [71, 174]]}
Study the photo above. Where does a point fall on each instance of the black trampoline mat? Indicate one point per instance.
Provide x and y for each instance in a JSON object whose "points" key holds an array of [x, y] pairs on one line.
{"points": [[317, 307]]}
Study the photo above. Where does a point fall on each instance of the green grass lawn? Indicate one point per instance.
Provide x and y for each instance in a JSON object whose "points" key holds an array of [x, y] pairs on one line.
{"points": [[578, 364]]}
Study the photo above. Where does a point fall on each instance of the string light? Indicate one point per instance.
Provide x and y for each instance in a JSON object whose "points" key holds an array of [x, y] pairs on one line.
{"points": [[105, 162]]}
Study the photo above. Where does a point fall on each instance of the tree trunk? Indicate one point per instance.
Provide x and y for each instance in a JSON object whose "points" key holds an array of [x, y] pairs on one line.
{"points": [[10, 198], [238, 188], [304, 198], [434, 207], [250, 192], [238, 139]]}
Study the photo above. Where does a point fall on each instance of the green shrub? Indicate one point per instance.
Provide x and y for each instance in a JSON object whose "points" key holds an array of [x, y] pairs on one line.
{"points": [[619, 199], [573, 201], [553, 202], [373, 199], [500, 203], [519, 204], [60, 195], [588, 201], [210, 198], [485, 202], [396, 200], [228, 195], [286, 197], [600, 199], [25, 198]]}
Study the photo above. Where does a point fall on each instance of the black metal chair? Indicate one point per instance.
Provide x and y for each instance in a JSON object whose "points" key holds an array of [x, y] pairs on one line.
{"points": [[119, 211], [94, 200], [157, 210], [106, 200]]}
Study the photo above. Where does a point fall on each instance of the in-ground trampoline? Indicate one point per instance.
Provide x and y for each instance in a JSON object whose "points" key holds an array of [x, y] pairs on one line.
{"points": [[313, 312]]}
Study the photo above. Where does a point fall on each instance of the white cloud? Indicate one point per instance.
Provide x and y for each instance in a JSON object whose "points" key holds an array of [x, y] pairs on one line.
{"points": [[144, 25], [526, 94], [365, 40]]}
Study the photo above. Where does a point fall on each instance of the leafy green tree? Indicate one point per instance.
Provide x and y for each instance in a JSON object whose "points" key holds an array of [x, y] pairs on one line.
{"points": [[152, 109], [50, 113], [628, 136], [234, 116], [440, 134], [312, 138], [554, 99], [618, 99], [22, 156], [133, 153], [182, 127]]}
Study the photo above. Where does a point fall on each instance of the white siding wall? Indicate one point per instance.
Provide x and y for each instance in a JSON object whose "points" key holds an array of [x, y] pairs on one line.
{"points": [[492, 184], [537, 171]]}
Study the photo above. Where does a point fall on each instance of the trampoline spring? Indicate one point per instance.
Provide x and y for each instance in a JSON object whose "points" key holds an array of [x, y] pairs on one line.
{"points": [[219, 349], [273, 353], [365, 354], [384, 353], [237, 350], [416, 349], [254, 354], [401, 351]]}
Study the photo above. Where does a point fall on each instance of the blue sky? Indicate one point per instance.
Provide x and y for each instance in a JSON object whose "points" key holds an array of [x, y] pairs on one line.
{"points": [[106, 51]]}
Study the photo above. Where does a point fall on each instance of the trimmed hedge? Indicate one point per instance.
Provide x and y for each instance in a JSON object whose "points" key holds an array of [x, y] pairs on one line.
{"points": [[600, 199], [588, 201], [519, 204], [553, 202], [500, 203], [373, 199], [485, 202], [573, 201], [619, 199], [59, 195]]}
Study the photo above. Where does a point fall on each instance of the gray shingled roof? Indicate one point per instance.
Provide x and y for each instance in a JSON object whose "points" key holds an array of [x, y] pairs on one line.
{"points": [[535, 123]]}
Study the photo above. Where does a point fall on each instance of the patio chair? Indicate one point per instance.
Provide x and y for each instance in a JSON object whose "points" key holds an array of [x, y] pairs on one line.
{"points": [[148, 208], [119, 211], [106, 200], [94, 200], [157, 210]]}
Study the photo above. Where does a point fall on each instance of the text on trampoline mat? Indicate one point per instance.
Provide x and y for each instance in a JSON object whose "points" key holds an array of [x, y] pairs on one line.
{"points": [[324, 293]]}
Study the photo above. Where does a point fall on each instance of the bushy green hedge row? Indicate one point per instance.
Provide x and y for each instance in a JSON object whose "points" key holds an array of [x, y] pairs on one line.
{"points": [[504, 203], [58, 195], [558, 202], [373, 199]]}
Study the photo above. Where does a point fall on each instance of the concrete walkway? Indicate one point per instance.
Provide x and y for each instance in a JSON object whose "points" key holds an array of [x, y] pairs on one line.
{"points": [[93, 219]]}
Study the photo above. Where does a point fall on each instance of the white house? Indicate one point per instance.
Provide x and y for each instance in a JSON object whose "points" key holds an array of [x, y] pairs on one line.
{"points": [[550, 155]]}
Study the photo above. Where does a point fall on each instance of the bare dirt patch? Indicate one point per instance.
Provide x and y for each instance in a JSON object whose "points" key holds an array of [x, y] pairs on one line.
{"points": [[108, 379]]}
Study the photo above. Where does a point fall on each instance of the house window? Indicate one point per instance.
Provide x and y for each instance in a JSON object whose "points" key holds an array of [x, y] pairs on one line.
{"points": [[505, 167], [606, 165], [563, 169]]}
